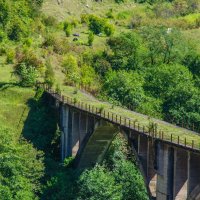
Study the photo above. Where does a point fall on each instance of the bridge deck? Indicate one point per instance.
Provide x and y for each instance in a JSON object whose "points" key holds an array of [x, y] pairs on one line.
{"points": [[136, 121]]}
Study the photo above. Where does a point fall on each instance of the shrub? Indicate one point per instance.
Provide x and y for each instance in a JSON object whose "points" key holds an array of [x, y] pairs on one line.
{"points": [[58, 89], [96, 24], [74, 23], [90, 38], [50, 21], [10, 56], [88, 76], [100, 25], [59, 45], [123, 15], [67, 27], [49, 74], [102, 66], [17, 29], [28, 57], [109, 14], [28, 42], [2, 49], [2, 35], [135, 21], [109, 29], [27, 75], [71, 69], [68, 31], [85, 18]]}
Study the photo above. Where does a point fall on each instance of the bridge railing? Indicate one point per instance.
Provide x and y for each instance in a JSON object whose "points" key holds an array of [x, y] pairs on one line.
{"points": [[130, 123]]}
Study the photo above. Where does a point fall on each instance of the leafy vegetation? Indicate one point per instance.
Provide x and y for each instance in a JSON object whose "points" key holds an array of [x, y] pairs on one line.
{"points": [[109, 49], [116, 178]]}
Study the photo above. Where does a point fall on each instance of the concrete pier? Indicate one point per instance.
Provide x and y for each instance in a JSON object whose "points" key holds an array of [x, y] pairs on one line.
{"points": [[75, 133], [194, 175], [151, 172], [180, 174]]}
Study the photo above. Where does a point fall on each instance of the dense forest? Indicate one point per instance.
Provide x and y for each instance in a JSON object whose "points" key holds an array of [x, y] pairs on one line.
{"points": [[143, 55]]}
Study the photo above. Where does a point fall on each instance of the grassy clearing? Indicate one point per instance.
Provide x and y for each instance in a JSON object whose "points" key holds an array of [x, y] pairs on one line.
{"points": [[67, 9], [14, 107], [143, 120]]}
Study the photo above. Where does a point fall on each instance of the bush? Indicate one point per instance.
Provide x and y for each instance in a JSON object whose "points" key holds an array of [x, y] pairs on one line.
{"points": [[85, 18], [100, 25], [17, 30], [67, 27], [50, 21], [28, 42], [71, 69], [109, 29], [2, 35], [96, 24], [74, 23], [59, 45], [49, 74], [123, 15], [27, 74], [10, 56], [29, 58], [2, 49], [109, 14], [90, 38]]}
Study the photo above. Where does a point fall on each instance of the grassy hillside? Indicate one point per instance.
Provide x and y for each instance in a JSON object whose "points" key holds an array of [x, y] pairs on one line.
{"points": [[144, 56]]}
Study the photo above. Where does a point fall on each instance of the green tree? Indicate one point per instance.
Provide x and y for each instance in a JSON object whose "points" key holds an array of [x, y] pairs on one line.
{"points": [[99, 184], [88, 76], [96, 24], [125, 170], [161, 81], [127, 51], [21, 168], [163, 45], [125, 87], [71, 69], [131, 180]]}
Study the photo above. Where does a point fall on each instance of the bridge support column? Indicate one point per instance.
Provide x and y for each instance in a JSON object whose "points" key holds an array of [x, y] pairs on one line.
{"points": [[65, 132], [83, 126], [165, 172], [90, 124], [75, 135], [194, 176], [152, 175], [143, 152], [180, 174]]}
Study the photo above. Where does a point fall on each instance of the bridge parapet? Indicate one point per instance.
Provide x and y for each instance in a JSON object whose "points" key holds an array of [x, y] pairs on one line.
{"points": [[129, 123]]}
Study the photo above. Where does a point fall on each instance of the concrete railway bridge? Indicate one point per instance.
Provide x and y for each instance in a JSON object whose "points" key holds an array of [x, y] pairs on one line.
{"points": [[171, 169]]}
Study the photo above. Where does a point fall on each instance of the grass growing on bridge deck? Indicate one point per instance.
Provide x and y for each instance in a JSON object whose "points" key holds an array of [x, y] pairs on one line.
{"points": [[192, 138]]}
